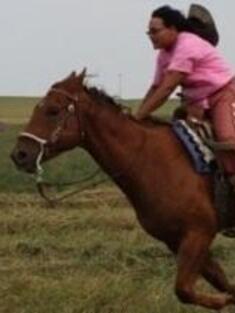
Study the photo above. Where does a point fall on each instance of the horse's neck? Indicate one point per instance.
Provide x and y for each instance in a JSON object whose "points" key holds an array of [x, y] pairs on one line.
{"points": [[113, 139], [128, 151]]}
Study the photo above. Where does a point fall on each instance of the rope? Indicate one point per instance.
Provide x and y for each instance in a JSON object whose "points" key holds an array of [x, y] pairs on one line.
{"points": [[52, 201]]}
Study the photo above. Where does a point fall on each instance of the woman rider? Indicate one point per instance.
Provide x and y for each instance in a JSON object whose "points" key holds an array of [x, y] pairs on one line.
{"points": [[207, 81]]}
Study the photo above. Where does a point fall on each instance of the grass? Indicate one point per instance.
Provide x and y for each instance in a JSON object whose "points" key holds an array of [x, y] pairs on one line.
{"points": [[16, 110], [87, 255]]}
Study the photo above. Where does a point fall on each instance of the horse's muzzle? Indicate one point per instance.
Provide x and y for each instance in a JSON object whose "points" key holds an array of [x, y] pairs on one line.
{"points": [[22, 161], [25, 156]]}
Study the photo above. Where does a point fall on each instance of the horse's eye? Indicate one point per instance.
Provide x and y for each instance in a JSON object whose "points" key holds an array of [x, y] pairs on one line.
{"points": [[53, 112]]}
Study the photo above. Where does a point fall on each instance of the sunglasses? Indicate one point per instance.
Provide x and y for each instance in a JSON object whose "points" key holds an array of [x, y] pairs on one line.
{"points": [[154, 31]]}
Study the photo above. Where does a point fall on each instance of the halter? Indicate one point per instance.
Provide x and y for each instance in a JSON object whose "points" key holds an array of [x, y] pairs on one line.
{"points": [[70, 111]]}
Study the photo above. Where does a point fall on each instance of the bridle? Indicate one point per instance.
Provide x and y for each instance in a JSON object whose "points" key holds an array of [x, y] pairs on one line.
{"points": [[71, 110]]}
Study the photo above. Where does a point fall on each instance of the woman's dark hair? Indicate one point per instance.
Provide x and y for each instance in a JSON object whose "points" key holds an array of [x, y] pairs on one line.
{"points": [[171, 17], [175, 18]]}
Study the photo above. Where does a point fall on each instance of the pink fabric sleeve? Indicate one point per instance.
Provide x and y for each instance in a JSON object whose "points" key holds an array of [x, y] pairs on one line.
{"points": [[183, 57]]}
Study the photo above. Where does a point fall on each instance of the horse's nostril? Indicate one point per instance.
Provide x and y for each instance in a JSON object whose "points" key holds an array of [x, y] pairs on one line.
{"points": [[21, 155], [23, 160]]}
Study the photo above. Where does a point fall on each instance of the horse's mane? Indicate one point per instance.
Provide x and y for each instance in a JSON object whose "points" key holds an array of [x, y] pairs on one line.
{"points": [[102, 97]]}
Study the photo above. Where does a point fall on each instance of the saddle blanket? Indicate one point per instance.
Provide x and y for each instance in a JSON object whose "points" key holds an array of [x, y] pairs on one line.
{"points": [[202, 156]]}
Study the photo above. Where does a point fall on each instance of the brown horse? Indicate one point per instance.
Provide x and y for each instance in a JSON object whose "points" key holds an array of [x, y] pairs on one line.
{"points": [[172, 202]]}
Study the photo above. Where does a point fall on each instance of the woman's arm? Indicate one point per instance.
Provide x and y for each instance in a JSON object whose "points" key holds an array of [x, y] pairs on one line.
{"points": [[149, 93], [158, 96]]}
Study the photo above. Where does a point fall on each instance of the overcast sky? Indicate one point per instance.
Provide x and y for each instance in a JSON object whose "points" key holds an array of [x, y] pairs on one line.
{"points": [[42, 41]]}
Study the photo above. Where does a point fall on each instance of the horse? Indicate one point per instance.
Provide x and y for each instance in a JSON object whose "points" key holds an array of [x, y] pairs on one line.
{"points": [[172, 202]]}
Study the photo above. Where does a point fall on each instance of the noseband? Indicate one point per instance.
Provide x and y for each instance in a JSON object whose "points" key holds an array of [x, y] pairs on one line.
{"points": [[70, 111]]}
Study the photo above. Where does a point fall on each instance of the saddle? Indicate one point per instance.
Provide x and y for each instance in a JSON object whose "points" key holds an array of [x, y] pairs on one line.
{"points": [[198, 139]]}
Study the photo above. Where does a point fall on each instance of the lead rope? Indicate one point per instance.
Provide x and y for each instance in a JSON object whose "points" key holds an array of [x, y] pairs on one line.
{"points": [[42, 187]]}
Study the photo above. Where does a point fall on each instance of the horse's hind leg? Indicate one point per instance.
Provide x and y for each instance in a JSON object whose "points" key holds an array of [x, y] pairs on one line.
{"points": [[215, 275], [192, 255]]}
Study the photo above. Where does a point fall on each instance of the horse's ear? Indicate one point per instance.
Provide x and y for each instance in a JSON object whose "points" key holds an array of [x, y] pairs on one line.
{"points": [[72, 75], [82, 75]]}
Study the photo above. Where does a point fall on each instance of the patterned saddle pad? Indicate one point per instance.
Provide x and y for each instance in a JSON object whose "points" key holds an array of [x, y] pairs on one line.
{"points": [[193, 137]]}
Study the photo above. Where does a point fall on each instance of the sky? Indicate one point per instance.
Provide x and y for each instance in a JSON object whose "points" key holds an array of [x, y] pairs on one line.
{"points": [[43, 41]]}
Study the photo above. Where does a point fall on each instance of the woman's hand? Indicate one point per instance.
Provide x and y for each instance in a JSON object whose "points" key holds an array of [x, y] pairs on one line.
{"points": [[139, 116]]}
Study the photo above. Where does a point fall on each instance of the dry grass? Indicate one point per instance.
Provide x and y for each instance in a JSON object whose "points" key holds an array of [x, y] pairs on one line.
{"points": [[87, 255]]}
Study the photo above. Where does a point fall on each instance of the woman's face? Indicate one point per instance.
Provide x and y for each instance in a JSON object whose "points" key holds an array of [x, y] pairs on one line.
{"points": [[162, 37]]}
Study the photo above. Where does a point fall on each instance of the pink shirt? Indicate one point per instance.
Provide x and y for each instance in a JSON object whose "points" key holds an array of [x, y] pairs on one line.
{"points": [[206, 70]]}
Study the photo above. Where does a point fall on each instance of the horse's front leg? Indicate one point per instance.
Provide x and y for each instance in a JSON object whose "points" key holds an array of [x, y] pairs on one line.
{"points": [[192, 255]]}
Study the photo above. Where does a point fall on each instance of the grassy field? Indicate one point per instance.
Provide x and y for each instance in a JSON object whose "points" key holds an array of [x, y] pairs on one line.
{"points": [[16, 110], [86, 255]]}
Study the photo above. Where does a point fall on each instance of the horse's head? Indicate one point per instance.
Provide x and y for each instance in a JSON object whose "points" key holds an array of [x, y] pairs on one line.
{"points": [[55, 125]]}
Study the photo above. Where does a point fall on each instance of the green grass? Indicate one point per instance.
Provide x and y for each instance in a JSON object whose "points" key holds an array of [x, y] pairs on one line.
{"points": [[16, 110], [88, 255]]}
